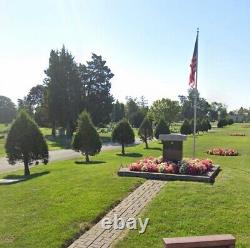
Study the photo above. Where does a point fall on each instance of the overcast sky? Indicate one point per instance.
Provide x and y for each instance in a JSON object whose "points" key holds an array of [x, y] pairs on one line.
{"points": [[148, 44]]}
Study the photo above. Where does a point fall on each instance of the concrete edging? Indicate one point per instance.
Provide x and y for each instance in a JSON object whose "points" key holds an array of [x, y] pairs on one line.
{"points": [[209, 178]]}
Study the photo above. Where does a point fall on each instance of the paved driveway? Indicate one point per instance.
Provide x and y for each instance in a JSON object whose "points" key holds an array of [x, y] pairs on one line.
{"points": [[56, 155]]}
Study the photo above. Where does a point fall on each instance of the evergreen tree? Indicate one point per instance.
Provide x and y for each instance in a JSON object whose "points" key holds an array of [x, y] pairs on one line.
{"points": [[204, 125], [123, 134], [118, 111], [209, 125], [87, 139], [161, 128], [25, 142], [186, 128], [146, 131], [64, 90], [95, 78]]}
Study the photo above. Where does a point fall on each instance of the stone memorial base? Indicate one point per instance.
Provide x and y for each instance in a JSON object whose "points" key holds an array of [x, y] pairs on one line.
{"points": [[208, 178], [212, 241]]}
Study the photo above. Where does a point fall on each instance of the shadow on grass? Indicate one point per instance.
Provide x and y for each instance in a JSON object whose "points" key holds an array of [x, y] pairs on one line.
{"points": [[90, 162], [154, 148], [21, 178], [59, 141], [132, 154]]}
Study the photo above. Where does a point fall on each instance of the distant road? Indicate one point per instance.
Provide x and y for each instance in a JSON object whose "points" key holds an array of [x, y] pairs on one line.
{"points": [[56, 155]]}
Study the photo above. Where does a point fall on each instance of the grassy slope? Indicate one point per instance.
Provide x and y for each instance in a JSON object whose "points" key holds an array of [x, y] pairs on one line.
{"points": [[61, 198], [184, 209]]}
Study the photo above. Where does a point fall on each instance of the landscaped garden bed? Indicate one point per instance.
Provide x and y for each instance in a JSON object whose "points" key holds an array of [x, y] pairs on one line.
{"points": [[223, 152], [187, 170], [238, 134]]}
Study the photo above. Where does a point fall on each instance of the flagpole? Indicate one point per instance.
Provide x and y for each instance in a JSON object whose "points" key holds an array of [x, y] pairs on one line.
{"points": [[195, 101]]}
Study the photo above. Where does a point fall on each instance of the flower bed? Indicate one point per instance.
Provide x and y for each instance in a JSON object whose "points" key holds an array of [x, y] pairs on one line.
{"points": [[223, 152], [185, 167], [237, 134]]}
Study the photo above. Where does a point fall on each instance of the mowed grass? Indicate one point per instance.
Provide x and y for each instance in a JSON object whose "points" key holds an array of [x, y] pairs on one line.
{"points": [[62, 198], [189, 209]]}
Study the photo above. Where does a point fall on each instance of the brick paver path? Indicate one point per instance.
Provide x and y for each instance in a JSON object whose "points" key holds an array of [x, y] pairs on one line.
{"points": [[131, 206]]}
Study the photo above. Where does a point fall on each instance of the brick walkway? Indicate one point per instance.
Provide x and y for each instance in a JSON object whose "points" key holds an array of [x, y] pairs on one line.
{"points": [[131, 206]]}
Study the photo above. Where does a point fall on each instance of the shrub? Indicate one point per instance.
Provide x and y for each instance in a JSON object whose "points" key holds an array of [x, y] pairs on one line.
{"points": [[230, 121], [222, 123], [161, 128], [186, 128], [146, 131], [25, 142], [209, 125], [204, 125], [123, 134], [87, 139]]}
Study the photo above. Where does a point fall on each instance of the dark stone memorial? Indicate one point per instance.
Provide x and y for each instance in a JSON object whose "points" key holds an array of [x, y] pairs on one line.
{"points": [[172, 146]]}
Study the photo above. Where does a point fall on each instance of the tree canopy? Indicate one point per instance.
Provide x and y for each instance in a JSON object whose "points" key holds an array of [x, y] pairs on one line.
{"points": [[146, 131], [87, 139], [123, 134], [165, 109], [7, 110], [25, 142]]}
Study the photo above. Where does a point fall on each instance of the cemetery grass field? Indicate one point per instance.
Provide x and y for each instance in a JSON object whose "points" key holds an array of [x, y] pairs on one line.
{"points": [[62, 198], [189, 209]]}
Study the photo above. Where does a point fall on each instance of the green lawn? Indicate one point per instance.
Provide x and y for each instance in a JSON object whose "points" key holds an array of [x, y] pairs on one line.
{"points": [[186, 209], [61, 199]]}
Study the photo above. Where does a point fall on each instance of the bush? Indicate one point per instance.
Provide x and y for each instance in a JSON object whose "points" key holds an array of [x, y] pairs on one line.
{"points": [[230, 121], [161, 128], [209, 125], [123, 134], [25, 142], [186, 128], [222, 123], [87, 139], [146, 131], [204, 126]]}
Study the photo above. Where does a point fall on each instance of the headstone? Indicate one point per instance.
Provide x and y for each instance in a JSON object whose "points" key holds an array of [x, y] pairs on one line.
{"points": [[172, 146], [210, 241]]}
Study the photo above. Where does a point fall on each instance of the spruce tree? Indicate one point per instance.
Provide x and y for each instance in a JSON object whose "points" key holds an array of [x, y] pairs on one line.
{"points": [[186, 128], [25, 142], [146, 131], [123, 134], [204, 125], [161, 128], [87, 139]]}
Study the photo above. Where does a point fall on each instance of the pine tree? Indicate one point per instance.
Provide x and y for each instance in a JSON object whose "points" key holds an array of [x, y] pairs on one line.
{"points": [[25, 142], [87, 139], [186, 128], [204, 125], [161, 128], [123, 134], [146, 131]]}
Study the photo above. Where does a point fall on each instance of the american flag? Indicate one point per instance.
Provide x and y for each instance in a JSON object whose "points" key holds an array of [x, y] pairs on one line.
{"points": [[193, 65]]}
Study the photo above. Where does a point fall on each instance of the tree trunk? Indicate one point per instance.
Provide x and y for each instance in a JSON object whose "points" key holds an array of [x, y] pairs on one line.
{"points": [[146, 143], [53, 131], [26, 168], [87, 157], [123, 149]]}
